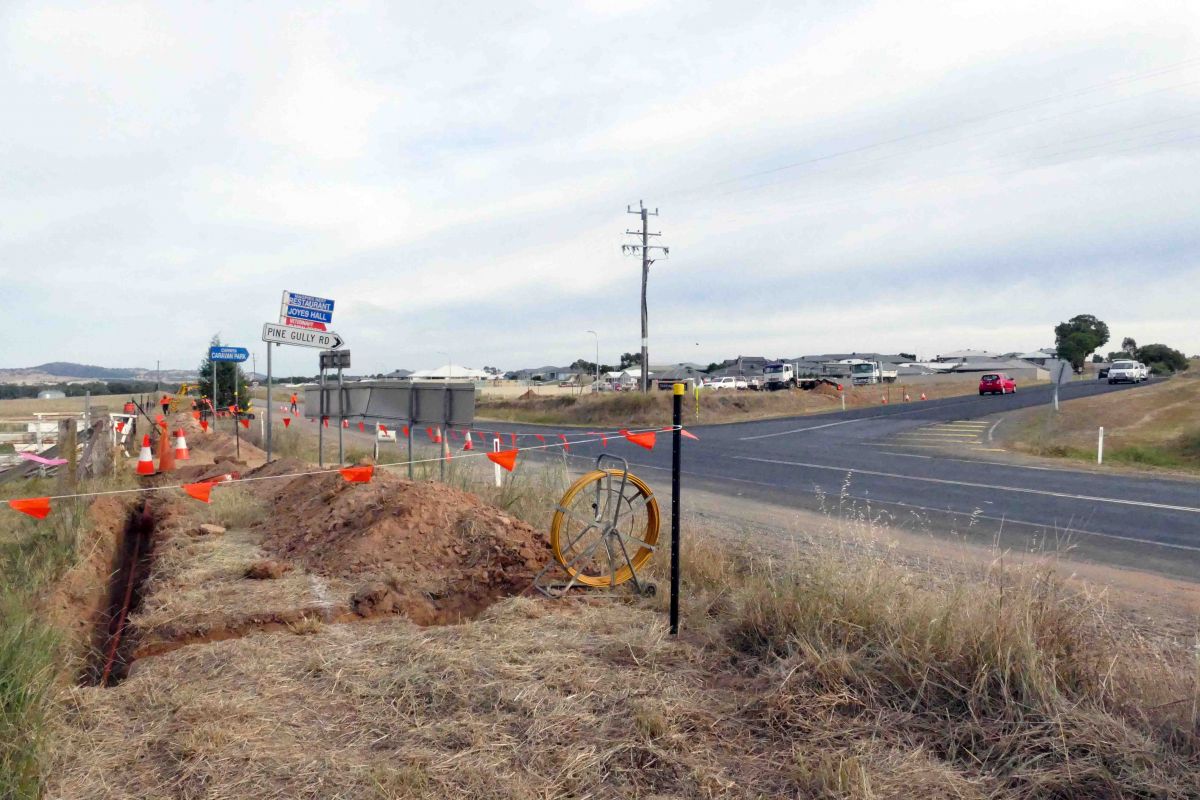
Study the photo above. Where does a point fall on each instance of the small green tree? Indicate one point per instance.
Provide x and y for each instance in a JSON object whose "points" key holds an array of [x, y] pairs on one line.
{"points": [[229, 374], [1161, 359], [1129, 346], [1079, 337]]}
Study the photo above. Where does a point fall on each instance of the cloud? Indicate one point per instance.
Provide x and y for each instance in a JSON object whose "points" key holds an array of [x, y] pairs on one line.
{"points": [[890, 176]]}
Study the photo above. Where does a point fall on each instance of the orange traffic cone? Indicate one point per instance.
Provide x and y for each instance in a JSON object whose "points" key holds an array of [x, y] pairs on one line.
{"points": [[923, 397], [468, 445], [906, 397], [145, 459], [181, 448], [883, 399], [345, 423], [166, 456]]}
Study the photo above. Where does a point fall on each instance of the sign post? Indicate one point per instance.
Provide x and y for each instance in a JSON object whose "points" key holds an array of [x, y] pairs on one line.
{"points": [[333, 359], [304, 321], [218, 354]]}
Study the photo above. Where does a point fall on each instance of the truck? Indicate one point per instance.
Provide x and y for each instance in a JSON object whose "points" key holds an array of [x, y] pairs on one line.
{"points": [[859, 371], [779, 375]]}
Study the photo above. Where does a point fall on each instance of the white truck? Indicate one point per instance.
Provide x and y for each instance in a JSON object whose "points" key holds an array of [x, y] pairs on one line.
{"points": [[860, 371], [779, 375]]}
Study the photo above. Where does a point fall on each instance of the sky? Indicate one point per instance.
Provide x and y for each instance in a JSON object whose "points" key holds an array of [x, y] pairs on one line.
{"points": [[830, 177]]}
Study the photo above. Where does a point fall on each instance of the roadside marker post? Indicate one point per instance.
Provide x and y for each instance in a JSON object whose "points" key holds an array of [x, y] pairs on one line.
{"points": [[1100, 447], [676, 446], [496, 467]]}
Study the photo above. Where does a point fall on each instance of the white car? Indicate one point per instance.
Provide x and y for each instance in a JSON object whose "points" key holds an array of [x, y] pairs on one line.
{"points": [[1125, 372], [1145, 371], [727, 382]]}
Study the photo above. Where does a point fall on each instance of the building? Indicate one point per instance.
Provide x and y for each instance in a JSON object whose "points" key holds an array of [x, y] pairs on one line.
{"points": [[544, 374], [52, 394]]}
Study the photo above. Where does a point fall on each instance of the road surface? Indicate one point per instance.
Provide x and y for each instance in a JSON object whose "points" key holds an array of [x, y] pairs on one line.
{"points": [[928, 465]]}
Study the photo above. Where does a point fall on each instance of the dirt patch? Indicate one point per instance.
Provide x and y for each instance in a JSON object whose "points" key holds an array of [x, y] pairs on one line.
{"points": [[426, 550]]}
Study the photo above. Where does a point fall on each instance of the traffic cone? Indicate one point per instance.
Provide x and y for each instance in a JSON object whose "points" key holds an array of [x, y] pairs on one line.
{"points": [[923, 397], [883, 399], [468, 445], [906, 397], [145, 458], [345, 423], [181, 448], [166, 456]]}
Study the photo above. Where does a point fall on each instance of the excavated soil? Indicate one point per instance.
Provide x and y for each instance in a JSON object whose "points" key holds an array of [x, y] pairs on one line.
{"points": [[428, 551]]}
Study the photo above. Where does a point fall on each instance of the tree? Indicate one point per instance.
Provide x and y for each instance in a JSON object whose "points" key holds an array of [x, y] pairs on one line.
{"points": [[909, 356], [1097, 359], [630, 360], [711, 368], [1129, 346], [1162, 359], [1079, 337], [228, 373]]}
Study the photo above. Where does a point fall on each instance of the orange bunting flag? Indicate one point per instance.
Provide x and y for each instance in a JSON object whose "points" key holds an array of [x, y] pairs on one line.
{"points": [[683, 432], [120, 425], [383, 427], [514, 439], [429, 433], [566, 444], [37, 507], [540, 438], [204, 425], [362, 427], [358, 474], [200, 491], [325, 421], [159, 419], [644, 439], [603, 440], [287, 422], [245, 423], [345, 423], [196, 415], [404, 430], [505, 458]]}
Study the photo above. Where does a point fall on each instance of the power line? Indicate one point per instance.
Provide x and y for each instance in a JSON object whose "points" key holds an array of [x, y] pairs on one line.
{"points": [[1186, 64]]}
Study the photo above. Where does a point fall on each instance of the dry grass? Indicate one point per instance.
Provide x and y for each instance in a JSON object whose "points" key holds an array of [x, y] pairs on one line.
{"points": [[630, 409], [27, 406], [831, 671], [1157, 425]]}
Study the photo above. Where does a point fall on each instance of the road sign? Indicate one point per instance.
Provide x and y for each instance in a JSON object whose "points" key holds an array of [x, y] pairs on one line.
{"points": [[228, 354], [304, 337], [335, 359], [305, 311]]}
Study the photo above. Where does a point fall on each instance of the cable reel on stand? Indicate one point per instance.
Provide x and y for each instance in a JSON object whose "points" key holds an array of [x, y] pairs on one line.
{"points": [[604, 530]]}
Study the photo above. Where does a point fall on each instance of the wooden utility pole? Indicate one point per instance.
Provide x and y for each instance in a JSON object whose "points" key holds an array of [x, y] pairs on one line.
{"points": [[643, 250]]}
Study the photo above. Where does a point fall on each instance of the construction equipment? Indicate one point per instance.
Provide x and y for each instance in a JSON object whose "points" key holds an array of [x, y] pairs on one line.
{"points": [[604, 530]]}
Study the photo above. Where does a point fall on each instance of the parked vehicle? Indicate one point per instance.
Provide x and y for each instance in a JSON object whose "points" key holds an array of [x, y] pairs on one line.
{"points": [[859, 371], [1125, 372], [1145, 371], [1102, 373], [997, 383], [727, 382], [779, 376]]}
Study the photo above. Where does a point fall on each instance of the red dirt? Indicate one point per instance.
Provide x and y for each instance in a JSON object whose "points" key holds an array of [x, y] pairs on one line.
{"points": [[429, 551]]}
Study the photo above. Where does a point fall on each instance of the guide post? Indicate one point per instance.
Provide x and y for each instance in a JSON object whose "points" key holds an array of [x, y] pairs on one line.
{"points": [[676, 445]]}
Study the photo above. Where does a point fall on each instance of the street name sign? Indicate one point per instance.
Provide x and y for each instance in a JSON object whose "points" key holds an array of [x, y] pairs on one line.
{"points": [[228, 354], [304, 337], [305, 311]]}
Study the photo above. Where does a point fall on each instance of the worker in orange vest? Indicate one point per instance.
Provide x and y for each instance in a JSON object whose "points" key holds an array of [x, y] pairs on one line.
{"points": [[166, 404], [295, 408]]}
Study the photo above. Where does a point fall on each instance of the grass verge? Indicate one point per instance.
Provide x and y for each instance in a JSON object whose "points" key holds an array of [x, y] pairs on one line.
{"points": [[33, 554]]}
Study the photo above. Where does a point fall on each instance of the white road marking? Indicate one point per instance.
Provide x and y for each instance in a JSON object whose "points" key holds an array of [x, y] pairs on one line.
{"points": [[944, 481], [1069, 531]]}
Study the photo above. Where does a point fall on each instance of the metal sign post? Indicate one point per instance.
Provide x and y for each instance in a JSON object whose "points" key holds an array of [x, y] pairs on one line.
{"points": [[676, 444], [321, 418], [267, 435], [333, 359], [341, 414]]}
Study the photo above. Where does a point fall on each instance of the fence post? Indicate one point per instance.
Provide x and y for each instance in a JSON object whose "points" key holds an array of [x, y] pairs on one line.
{"points": [[676, 443]]}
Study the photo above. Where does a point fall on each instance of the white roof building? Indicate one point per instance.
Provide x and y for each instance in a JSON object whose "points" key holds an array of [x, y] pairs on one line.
{"points": [[452, 372]]}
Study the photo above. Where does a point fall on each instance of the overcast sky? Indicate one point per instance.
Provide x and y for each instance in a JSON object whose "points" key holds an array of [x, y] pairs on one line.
{"points": [[839, 176]]}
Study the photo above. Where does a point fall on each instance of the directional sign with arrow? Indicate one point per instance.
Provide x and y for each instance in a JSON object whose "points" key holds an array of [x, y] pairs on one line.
{"points": [[304, 337]]}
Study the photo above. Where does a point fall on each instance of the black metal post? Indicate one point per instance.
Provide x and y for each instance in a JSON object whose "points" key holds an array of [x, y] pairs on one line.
{"points": [[676, 447]]}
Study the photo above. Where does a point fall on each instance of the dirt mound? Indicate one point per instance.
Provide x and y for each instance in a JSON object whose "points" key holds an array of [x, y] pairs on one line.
{"points": [[431, 552]]}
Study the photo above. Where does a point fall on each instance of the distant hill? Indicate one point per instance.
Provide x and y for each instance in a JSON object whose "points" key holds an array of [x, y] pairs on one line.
{"points": [[66, 372]]}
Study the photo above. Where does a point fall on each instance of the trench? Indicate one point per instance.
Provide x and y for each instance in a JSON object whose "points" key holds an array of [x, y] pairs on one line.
{"points": [[113, 638]]}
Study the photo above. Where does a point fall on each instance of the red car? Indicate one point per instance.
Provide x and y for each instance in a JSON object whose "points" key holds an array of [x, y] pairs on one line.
{"points": [[997, 383]]}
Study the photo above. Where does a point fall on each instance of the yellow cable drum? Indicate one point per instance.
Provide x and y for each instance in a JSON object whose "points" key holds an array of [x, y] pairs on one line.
{"points": [[605, 528]]}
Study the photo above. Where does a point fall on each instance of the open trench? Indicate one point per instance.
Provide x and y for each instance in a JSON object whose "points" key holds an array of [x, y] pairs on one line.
{"points": [[113, 641]]}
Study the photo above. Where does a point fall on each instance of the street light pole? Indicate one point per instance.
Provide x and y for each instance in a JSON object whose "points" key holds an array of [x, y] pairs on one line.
{"points": [[593, 333]]}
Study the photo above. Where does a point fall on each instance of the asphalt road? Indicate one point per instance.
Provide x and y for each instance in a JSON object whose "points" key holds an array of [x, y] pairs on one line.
{"points": [[872, 462]]}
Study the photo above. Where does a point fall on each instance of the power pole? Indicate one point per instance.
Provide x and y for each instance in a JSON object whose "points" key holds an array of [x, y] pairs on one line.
{"points": [[643, 250]]}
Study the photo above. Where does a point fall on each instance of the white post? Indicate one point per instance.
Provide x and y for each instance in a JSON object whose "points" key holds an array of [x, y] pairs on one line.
{"points": [[1100, 447], [496, 467], [843, 401]]}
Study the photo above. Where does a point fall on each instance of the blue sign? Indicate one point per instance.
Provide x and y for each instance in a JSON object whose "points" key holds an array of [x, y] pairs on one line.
{"points": [[228, 354], [304, 306], [310, 314]]}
